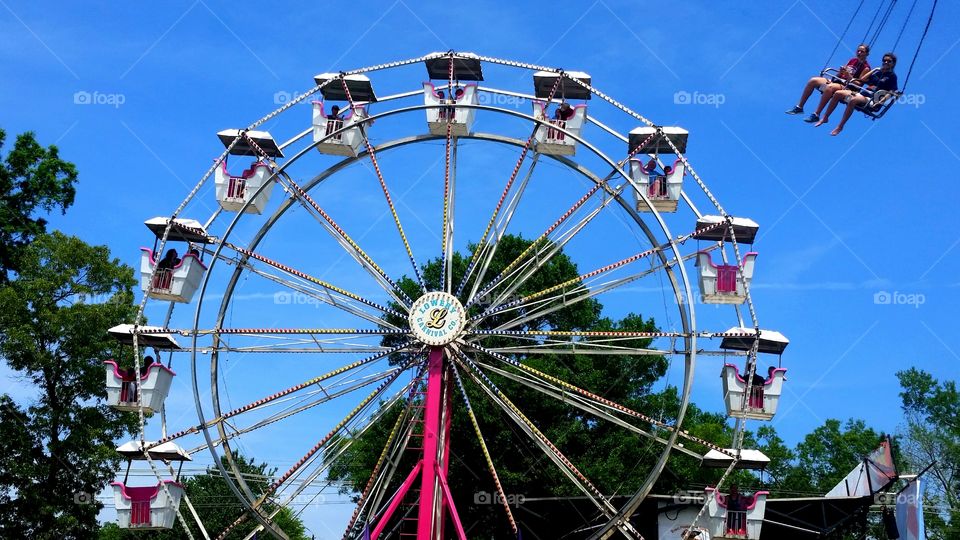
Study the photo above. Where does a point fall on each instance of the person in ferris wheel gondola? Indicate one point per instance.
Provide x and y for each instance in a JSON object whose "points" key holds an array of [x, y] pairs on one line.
{"points": [[878, 86], [854, 68]]}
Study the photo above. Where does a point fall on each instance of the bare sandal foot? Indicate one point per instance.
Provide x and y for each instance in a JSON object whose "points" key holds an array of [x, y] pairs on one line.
{"points": [[821, 122], [836, 131]]}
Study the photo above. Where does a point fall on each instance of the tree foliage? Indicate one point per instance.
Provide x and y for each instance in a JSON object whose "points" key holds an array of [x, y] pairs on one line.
{"points": [[59, 446], [932, 436], [218, 507], [33, 179]]}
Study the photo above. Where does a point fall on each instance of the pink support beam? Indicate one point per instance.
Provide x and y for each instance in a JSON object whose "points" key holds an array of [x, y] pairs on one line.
{"points": [[397, 500], [435, 499], [429, 491]]}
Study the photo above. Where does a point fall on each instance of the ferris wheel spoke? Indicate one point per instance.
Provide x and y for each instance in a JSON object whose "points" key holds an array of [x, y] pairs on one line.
{"points": [[299, 340], [372, 154], [329, 393], [387, 455], [501, 224], [544, 247], [543, 442], [331, 294], [546, 305], [329, 458], [481, 245], [273, 487], [596, 398], [492, 469], [561, 288], [616, 346], [348, 244], [582, 403], [283, 393], [449, 191]]}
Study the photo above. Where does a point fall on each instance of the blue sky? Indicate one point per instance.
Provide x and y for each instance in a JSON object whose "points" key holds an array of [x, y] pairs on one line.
{"points": [[843, 219]]}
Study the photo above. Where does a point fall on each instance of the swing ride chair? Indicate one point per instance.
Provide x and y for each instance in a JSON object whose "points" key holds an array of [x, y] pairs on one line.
{"points": [[882, 100], [446, 339], [735, 524], [342, 136]]}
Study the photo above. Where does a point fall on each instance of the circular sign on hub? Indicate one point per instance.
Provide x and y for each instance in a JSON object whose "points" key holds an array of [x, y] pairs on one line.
{"points": [[437, 318]]}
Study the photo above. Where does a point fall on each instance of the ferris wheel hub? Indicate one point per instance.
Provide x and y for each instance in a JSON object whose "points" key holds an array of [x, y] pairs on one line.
{"points": [[437, 318]]}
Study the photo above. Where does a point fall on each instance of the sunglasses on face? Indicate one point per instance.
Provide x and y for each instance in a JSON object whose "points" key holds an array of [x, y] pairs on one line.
{"points": [[861, 50], [887, 61]]}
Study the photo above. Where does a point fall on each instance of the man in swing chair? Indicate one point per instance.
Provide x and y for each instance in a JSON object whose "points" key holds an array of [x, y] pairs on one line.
{"points": [[875, 89]]}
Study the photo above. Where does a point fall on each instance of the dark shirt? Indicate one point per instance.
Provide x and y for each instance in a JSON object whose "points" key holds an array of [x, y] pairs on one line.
{"points": [[880, 80]]}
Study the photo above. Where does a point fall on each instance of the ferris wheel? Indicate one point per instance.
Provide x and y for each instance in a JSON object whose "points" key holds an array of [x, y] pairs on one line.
{"points": [[393, 261]]}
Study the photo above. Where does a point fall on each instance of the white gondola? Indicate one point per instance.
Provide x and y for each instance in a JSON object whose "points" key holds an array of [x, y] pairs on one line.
{"points": [[233, 192], [439, 116], [663, 190], [739, 524], [122, 386], [147, 507], [761, 401], [549, 138], [722, 284], [177, 284], [644, 138], [344, 143]]}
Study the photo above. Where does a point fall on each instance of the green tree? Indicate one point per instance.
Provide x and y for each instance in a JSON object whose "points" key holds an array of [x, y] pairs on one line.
{"points": [[615, 459], [827, 455], [33, 179], [59, 447], [932, 435], [218, 507]]}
